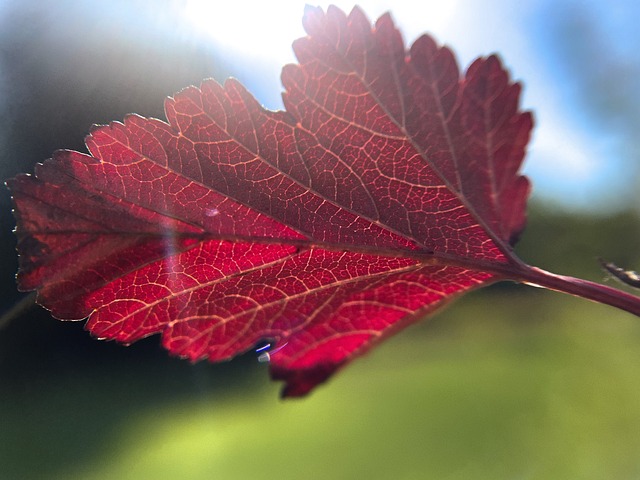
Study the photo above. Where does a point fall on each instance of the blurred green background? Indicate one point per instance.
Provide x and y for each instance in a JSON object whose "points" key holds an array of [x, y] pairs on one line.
{"points": [[510, 382]]}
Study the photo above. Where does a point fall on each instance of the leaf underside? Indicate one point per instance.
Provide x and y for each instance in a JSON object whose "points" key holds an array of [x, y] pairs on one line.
{"points": [[388, 187]]}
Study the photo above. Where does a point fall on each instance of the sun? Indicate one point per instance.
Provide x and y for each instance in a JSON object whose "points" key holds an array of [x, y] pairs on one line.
{"points": [[263, 31]]}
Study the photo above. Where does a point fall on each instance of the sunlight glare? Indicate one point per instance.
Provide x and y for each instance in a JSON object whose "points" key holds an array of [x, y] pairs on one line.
{"points": [[253, 38], [254, 30], [258, 30]]}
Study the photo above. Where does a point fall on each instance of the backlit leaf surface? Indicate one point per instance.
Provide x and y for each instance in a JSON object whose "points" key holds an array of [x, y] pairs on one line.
{"points": [[388, 187]]}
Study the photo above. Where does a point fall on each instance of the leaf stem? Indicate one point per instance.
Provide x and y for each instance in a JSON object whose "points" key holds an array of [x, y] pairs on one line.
{"points": [[580, 288]]}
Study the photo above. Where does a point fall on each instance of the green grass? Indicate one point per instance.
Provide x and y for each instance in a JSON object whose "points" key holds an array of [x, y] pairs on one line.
{"points": [[510, 384]]}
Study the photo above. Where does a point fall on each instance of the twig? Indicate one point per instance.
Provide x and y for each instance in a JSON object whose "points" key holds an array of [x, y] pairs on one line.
{"points": [[24, 304]]}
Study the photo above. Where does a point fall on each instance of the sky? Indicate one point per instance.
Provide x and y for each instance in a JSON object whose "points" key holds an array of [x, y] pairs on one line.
{"points": [[578, 61], [578, 157]]}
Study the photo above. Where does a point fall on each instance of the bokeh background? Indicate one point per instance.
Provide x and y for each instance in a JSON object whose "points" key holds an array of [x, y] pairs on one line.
{"points": [[510, 382]]}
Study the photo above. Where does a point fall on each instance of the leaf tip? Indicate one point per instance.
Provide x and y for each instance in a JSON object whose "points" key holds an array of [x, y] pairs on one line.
{"points": [[358, 16], [311, 18], [298, 383]]}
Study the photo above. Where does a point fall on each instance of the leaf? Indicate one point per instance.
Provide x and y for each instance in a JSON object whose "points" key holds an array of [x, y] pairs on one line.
{"points": [[387, 188]]}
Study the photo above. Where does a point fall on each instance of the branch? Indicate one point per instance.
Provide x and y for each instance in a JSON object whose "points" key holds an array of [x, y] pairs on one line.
{"points": [[581, 288], [24, 304]]}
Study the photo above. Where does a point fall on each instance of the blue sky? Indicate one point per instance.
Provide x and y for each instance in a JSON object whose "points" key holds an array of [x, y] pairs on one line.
{"points": [[578, 60], [583, 155]]}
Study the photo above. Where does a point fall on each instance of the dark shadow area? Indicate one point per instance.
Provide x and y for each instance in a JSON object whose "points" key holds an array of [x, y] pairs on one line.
{"points": [[67, 65], [64, 66]]}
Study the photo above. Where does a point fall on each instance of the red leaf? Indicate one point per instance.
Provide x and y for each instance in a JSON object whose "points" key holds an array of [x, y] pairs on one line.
{"points": [[388, 187]]}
